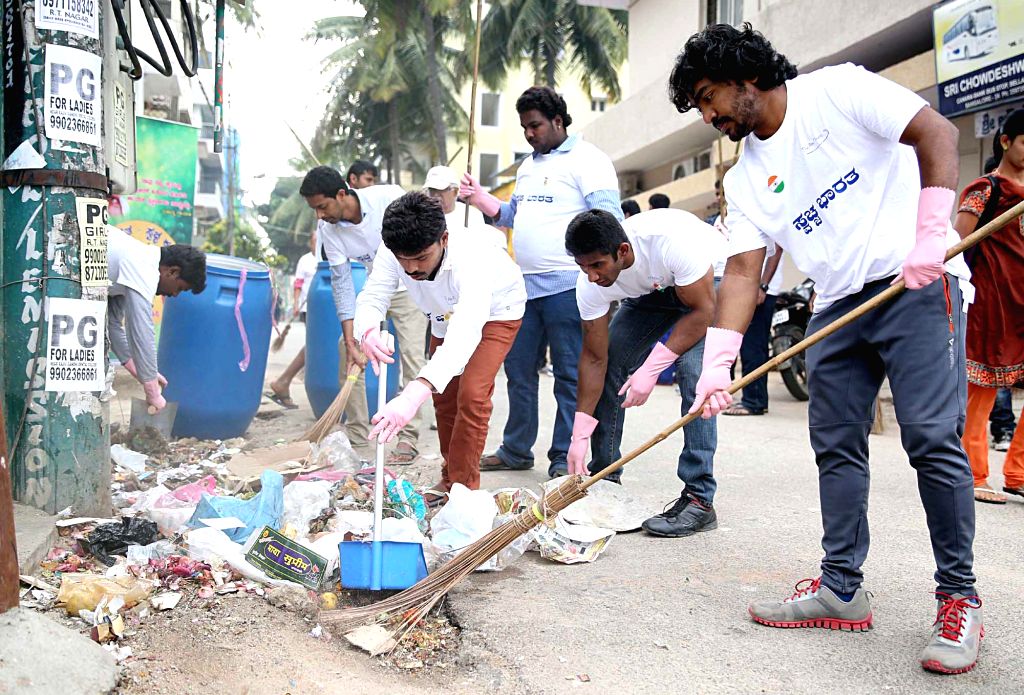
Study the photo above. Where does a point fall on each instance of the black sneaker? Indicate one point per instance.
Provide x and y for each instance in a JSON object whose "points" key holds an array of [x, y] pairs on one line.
{"points": [[685, 517]]}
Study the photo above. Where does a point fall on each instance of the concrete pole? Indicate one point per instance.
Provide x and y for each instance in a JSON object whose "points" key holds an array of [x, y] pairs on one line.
{"points": [[59, 441]]}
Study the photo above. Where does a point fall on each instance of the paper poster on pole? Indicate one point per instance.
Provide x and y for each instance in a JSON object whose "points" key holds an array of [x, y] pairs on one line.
{"points": [[92, 225], [79, 16], [75, 345], [72, 107]]}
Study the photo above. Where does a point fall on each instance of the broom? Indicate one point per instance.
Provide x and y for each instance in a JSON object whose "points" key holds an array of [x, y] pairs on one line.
{"points": [[415, 602], [322, 427], [279, 340]]}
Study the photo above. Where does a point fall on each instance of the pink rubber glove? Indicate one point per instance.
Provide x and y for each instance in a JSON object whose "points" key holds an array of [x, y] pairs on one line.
{"points": [[130, 366], [926, 261], [642, 381], [153, 396], [397, 412], [473, 193], [582, 427], [720, 349], [375, 350]]}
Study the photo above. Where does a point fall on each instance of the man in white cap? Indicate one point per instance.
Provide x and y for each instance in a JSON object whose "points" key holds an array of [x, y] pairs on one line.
{"points": [[442, 183]]}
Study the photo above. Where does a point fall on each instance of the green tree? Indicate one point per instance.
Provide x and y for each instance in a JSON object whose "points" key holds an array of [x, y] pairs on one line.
{"points": [[287, 219], [247, 244], [395, 79], [554, 36]]}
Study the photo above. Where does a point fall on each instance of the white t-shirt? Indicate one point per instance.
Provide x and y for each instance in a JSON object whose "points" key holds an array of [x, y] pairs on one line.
{"points": [[671, 248], [834, 187], [551, 190], [131, 264], [774, 285], [456, 220], [346, 240], [305, 269], [476, 283]]}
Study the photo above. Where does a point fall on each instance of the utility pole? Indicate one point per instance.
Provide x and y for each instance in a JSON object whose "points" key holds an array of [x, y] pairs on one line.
{"points": [[59, 440], [230, 151]]}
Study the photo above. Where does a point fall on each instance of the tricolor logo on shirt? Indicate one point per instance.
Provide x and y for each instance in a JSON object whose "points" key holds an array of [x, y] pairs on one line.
{"points": [[775, 184]]}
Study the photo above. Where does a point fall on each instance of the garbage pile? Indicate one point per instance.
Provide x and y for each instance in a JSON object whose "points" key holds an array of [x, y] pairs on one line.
{"points": [[199, 519]]}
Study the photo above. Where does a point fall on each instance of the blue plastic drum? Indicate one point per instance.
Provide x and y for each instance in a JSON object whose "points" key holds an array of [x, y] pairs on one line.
{"points": [[323, 331], [214, 363]]}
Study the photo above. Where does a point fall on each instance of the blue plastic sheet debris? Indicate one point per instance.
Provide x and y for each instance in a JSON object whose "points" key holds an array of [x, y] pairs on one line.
{"points": [[264, 509]]}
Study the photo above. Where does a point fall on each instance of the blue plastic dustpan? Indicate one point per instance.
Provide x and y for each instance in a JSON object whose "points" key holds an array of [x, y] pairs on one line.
{"points": [[381, 564]]}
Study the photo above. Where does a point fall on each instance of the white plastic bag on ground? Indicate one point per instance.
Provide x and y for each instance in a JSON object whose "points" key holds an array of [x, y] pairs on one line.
{"points": [[336, 451], [128, 459], [303, 502], [210, 545], [467, 517]]}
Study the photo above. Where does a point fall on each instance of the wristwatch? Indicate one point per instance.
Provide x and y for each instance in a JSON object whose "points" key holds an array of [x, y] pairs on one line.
{"points": [[764, 288]]}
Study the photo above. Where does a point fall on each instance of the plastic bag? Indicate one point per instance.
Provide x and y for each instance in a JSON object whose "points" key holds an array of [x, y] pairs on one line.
{"points": [[264, 509], [467, 517], [407, 501], [336, 451], [128, 459], [213, 545], [84, 591], [114, 539], [303, 502], [193, 492], [142, 554], [159, 505]]}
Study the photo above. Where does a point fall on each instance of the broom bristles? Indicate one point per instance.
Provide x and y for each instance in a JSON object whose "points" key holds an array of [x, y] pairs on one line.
{"points": [[332, 416], [416, 601], [279, 340]]}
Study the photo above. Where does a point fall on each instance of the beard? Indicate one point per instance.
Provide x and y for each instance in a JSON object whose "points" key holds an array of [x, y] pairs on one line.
{"points": [[744, 118]]}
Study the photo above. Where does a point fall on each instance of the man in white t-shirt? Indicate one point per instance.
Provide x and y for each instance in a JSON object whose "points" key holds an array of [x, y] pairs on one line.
{"points": [[349, 228], [564, 176], [474, 297], [853, 175], [660, 266], [305, 269], [138, 272]]}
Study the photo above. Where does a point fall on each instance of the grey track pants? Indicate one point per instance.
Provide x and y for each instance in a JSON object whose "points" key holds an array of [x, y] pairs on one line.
{"points": [[917, 340]]}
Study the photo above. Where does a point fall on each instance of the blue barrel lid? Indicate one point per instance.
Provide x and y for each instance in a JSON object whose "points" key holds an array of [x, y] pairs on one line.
{"points": [[231, 266]]}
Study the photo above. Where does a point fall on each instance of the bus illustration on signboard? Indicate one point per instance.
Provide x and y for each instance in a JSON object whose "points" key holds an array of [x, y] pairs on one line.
{"points": [[974, 34]]}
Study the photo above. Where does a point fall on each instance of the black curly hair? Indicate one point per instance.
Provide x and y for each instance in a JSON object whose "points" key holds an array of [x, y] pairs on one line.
{"points": [[723, 53], [322, 180], [191, 262], [545, 100], [412, 223]]}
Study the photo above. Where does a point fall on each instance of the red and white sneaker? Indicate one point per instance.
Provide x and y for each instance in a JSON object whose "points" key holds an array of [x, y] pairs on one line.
{"points": [[815, 605], [956, 635]]}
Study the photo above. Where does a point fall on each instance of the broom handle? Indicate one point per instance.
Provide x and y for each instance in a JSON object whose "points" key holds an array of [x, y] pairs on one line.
{"points": [[879, 299], [472, 104]]}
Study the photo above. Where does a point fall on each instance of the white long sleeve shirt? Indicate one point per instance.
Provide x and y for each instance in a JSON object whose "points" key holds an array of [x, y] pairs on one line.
{"points": [[476, 283]]}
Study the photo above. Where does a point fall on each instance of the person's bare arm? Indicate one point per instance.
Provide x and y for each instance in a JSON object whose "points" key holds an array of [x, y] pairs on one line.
{"points": [[936, 142], [593, 364]]}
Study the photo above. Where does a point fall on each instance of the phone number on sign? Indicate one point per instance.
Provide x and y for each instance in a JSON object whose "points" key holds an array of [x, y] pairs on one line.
{"points": [[77, 125], [72, 373]]}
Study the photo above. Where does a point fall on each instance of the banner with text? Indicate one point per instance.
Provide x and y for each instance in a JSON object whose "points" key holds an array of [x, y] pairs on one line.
{"points": [[92, 225], [75, 347], [979, 53], [161, 210]]}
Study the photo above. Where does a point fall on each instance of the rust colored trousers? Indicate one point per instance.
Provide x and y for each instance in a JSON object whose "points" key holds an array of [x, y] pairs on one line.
{"points": [[980, 400], [464, 408]]}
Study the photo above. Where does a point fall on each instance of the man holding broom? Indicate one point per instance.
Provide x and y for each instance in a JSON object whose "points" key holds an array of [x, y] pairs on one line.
{"points": [[660, 264], [349, 227], [853, 175], [474, 297]]}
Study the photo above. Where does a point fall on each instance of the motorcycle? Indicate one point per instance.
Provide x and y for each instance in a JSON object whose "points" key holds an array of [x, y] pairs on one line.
{"points": [[789, 324]]}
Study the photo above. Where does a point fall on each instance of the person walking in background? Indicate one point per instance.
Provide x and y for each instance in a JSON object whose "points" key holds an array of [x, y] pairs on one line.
{"points": [[361, 174], [630, 208], [563, 177], [995, 323], [1002, 423], [658, 201], [757, 339], [305, 270]]}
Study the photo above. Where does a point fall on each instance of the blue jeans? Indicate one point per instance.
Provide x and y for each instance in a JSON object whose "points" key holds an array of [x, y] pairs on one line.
{"points": [[1001, 418], [632, 334], [554, 319], [754, 353]]}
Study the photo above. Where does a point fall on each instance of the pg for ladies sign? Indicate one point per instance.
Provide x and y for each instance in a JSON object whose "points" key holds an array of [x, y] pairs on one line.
{"points": [[72, 107], [979, 54]]}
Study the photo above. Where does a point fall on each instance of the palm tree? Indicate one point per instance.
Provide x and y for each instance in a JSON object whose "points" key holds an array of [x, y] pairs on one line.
{"points": [[552, 34]]}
